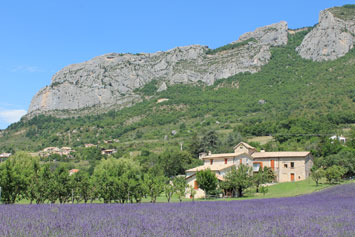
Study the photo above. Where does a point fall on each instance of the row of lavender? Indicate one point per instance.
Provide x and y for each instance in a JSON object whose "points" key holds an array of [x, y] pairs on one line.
{"points": [[326, 213]]}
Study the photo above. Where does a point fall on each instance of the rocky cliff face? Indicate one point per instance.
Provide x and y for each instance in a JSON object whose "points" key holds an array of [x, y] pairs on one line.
{"points": [[110, 80], [332, 38]]}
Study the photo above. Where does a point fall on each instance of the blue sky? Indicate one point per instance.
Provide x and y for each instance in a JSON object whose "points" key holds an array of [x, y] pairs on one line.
{"points": [[38, 38]]}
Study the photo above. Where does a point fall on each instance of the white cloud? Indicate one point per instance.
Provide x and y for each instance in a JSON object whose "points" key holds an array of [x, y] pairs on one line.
{"points": [[26, 69], [11, 116]]}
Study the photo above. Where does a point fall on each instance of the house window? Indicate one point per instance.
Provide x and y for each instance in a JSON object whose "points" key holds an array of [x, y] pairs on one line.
{"points": [[225, 161], [211, 161], [285, 165], [195, 185], [292, 165], [257, 166]]}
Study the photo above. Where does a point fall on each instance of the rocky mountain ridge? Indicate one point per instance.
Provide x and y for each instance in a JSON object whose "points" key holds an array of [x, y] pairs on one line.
{"points": [[332, 38], [111, 80]]}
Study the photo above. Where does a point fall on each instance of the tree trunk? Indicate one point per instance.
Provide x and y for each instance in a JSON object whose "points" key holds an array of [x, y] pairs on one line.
{"points": [[240, 192]]}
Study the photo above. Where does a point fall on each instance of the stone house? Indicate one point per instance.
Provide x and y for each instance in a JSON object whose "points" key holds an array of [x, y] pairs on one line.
{"points": [[90, 145], [288, 166], [108, 151], [64, 151]]}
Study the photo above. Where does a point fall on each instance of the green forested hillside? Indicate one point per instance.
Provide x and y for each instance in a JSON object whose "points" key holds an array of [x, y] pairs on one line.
{"points": [[299, 102]]}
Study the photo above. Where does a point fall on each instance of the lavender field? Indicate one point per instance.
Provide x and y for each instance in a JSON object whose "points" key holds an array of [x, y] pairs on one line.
{"points": [[327, 213]]}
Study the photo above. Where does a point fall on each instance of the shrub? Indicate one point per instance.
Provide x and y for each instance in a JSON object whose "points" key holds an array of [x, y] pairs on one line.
{"points": [[334, 173]]}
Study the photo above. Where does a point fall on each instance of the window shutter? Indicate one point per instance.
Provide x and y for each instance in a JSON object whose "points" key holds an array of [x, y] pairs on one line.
{"points": [[272, 164], [195, 185]]}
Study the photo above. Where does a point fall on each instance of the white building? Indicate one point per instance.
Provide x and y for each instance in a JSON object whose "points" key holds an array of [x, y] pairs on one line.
{"points": [[340, 138]]}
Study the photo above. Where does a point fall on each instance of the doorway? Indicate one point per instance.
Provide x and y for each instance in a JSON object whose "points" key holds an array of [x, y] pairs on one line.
{"points": [[292, 177]]}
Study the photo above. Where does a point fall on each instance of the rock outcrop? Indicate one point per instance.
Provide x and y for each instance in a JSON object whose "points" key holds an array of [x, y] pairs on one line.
{"points": [[111, 80], [332, 38]]}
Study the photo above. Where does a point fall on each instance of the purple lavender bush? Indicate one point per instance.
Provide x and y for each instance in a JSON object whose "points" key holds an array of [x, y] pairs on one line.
{"points": [[327, 213]]}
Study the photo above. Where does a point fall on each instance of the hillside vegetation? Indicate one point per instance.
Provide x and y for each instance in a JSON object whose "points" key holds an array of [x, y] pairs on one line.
{"points": [[346, 12], [299, 102]]}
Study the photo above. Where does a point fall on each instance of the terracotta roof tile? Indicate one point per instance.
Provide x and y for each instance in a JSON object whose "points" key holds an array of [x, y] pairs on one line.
{"points": [[220, 155], [280, 154], [216, 167], [244, 144]]}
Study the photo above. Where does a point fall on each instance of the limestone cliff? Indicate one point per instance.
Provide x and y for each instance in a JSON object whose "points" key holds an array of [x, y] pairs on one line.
{"points": [[110, 80], [333, 37]]}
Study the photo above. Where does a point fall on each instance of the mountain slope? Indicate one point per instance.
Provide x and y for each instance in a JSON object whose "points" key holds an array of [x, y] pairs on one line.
{"points": [[288, 96], [111, 81]]}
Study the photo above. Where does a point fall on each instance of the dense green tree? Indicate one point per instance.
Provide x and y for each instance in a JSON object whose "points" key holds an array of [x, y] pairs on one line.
{"points": [[351, 140], [180, 186], [33, 181], [207, 181], [233, 139], [15, 177], [317, 175], [45, 188], [11, 183], [169, 190], [238, 179], [345, 158], [327, 147], [81, 186], [118, 180], [265, 175], [154, 184], [210, 141], [91, 154], [62, 184], [130, 183], [334, 173], [175, 162], [196, 146]]}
